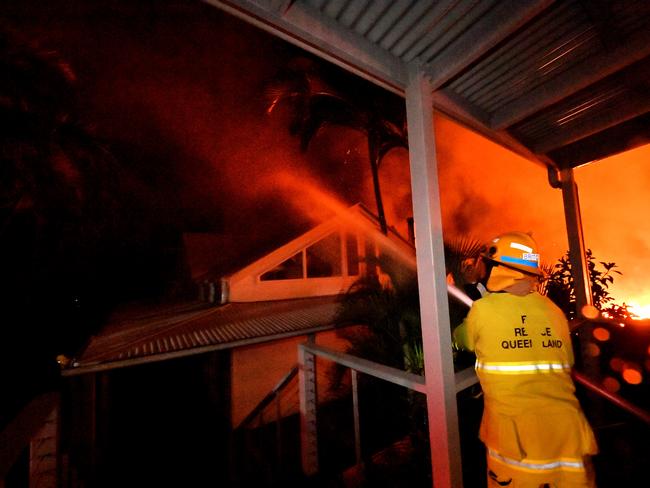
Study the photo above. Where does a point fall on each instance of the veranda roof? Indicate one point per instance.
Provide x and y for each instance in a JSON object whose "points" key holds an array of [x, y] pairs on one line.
{"points": [[194, 328], [560, 82]]}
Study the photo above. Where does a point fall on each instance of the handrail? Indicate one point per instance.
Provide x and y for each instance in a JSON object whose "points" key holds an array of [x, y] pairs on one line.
{"points": [[266, 401], [387, 373], [464, 379], [307, 352], [612, 397], [19, 432]]}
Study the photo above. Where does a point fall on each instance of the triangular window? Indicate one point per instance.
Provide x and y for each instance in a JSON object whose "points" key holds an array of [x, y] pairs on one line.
{"points": [[324, 257], [291, 269]]}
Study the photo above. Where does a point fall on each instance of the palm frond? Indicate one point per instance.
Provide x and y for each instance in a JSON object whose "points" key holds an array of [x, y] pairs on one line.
{"points": [[461, 253], [323, 110], [317, 104], [389, 143]]}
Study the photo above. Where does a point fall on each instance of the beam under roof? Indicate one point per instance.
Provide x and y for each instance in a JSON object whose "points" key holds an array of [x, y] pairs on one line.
{"points": [[304, 26]]}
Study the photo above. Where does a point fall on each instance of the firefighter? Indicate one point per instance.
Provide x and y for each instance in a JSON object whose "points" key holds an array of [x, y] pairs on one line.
{"points": [[533, 427]]}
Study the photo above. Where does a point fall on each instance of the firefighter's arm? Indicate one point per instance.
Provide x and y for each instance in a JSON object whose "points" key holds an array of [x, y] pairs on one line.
{"points": [[464, 336], [461, 338]]}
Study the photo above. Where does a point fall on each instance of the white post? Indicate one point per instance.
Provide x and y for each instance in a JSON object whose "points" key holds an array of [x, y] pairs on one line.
{"points": [[581, 282], [577, 251], [355, 413], [434, 308], [308, 426]]}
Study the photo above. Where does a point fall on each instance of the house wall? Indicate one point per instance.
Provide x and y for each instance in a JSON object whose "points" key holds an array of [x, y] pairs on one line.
{"points": [[252, 290], [258, 368]]}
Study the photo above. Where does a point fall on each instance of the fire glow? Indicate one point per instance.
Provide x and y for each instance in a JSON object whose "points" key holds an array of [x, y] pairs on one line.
{"points": [[642, 312]]}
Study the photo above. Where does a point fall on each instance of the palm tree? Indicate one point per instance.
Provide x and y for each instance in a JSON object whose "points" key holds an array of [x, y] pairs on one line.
{"points": [[52, 166], [391, 313], [317, 104]]}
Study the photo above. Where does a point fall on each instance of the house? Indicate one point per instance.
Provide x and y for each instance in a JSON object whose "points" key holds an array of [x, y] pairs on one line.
{"points": [[237, 349]]}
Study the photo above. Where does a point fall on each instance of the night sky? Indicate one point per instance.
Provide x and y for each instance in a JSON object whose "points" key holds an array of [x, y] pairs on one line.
{"points": [[180, 151]]}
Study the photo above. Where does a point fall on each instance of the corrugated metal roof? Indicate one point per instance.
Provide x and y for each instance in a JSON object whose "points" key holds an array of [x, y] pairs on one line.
{"points": [[561, 82], [188, 329]]}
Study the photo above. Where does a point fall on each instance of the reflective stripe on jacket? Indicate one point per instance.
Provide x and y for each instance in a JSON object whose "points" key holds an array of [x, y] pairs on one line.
{"points": [[540, 466]]}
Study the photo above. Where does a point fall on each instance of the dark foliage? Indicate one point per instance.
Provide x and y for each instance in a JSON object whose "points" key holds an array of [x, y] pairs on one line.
{"points": [[70, 223], [561, 289], [391, 314]]}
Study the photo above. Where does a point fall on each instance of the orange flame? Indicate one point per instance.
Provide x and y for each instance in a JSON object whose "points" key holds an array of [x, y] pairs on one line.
{"points": [[641, 311]]}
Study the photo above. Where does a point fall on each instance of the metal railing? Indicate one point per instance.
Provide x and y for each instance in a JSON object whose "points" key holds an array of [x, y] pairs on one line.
{"points": [[613, 398], [464, 379], [307, 387], [262, 438]]}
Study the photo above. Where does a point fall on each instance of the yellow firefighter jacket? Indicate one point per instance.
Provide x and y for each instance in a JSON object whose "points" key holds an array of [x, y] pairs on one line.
{"points": [[532, 419]]}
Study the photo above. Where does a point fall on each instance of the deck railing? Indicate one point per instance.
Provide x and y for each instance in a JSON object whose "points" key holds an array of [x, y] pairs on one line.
{"points": [[308, 402]]}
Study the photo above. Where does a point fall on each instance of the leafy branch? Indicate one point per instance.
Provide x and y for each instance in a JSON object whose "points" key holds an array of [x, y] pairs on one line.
{"points": [[560, 287]]}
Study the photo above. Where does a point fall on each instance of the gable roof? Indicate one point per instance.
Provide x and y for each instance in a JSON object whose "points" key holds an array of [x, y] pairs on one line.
{"points": [[356, 218]]}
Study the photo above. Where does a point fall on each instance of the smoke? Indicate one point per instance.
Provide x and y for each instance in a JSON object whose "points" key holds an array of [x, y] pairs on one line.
{"points": [[175, 88], [464, 216], [487, 190], [615, 201]]}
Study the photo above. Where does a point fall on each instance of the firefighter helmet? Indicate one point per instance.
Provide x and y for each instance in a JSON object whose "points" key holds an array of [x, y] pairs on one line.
{"points": [[515, 250]]}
